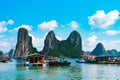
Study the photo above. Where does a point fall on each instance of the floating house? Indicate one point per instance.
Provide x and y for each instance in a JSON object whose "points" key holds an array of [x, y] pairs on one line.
{"points": [[87, 58], [35, 59], [108, 59]]}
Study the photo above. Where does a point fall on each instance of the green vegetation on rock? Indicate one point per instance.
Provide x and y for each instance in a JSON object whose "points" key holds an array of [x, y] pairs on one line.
{"points": [[72, 47], [1, 54], [99, 50]]}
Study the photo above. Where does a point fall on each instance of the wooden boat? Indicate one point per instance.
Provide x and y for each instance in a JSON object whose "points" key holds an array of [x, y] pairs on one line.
{"points": [[55, 62], [4, 60], [108, 62]]}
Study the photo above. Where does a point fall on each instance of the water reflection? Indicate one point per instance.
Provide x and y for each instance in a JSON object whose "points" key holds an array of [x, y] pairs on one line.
{"points": [[17, 71]]}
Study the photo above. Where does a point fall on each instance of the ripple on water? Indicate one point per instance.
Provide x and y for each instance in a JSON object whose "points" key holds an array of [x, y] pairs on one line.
{"points": [[76, 71]]}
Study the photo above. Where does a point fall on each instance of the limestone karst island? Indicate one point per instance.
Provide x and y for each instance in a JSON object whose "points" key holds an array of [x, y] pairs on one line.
{"points": [[59, 40]]}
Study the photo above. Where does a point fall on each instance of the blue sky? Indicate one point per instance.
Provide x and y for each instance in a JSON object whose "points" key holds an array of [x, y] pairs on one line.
{"points": [[96, 21]]}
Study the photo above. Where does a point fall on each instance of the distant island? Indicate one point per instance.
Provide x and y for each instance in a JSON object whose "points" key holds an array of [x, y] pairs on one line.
{"points": [[24, 45], [71, 47]]}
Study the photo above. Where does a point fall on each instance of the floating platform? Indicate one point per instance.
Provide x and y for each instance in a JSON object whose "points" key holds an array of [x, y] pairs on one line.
{"points": [[35, 64]]}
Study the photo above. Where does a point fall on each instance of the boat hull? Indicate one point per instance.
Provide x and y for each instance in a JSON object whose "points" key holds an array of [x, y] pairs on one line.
{"points": [[56, 63]]}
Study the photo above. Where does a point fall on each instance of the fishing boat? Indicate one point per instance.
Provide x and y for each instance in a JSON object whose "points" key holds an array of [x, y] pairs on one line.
{"points": [[57, 62]]}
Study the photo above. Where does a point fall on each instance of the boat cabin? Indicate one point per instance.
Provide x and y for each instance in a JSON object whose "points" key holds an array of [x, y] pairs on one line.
{"points": [[36, 58]]}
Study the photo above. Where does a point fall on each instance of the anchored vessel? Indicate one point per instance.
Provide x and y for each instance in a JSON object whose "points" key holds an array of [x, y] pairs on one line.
{"points": [[57, 62]]}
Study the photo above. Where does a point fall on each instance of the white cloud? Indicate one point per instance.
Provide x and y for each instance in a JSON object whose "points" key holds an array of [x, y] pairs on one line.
{"points": [[3, 29], [50, 25], [102, 20], [92, 40], [28, 27], [74, 25], [3, 25], [38, 42], [112, 32], [11, 22], [59, 38], [4, 46], [111, 44], [90, 43]]}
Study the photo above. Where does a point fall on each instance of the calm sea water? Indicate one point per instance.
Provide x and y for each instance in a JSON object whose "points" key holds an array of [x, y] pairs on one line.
{"points": [[76, 71]]}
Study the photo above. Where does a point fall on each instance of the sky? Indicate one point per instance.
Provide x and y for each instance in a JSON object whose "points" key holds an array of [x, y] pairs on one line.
{"points": [[95, 20]]}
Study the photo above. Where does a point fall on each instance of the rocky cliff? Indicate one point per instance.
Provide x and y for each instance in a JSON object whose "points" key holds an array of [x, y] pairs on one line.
{"points": [[99, 50], [72, 47], [10, 53], [113, 52], [75, 40], [1, 54], [50, 42], [24, 45]]}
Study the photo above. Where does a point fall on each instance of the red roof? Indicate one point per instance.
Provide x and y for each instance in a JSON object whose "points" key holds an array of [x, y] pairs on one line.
{"points": [[87, 55]]}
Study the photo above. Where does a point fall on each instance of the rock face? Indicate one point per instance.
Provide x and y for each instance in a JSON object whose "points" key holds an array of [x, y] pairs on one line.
{"points": [[24, 45], [50, 42], [72, 47], [10, 53], [1, 53], [99, 50], [75, 39], [113, 52]]}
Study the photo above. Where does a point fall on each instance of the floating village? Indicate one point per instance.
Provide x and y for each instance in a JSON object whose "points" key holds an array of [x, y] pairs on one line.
{"points": [[58, 60], [24, 48], [37, 59], [59, 39]]}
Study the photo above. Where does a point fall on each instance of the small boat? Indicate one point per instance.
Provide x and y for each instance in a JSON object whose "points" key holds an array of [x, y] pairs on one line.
{"points": [[57, 62], [81, 61], [4, 60]]}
